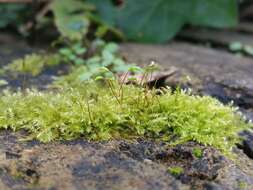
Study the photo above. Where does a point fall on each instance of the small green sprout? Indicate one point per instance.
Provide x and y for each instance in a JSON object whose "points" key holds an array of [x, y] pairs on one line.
{"points": [[153, 66], [242, 185], [73, 53], [104, 70], [99, 78], [132, 79], [241, 48], [235, 46], [176, 171], [248, 50], [3, 82], [102, 54], [135, 69], [197, 152]]}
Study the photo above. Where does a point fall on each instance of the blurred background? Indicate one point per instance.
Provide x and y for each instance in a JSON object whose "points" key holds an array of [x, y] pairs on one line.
{"points": [[121, 19]]}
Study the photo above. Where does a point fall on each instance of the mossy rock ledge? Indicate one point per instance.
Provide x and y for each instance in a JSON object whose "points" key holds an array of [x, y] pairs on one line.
{"points": [[117, 164]]}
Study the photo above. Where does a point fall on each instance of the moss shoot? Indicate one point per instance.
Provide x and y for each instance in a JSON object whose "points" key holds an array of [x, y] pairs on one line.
{"points": [[176, 171], [197, 152], [97, 110]]}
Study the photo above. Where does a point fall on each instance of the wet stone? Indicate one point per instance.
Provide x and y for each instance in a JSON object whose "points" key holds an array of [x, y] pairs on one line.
{"points": [[247, 143]]}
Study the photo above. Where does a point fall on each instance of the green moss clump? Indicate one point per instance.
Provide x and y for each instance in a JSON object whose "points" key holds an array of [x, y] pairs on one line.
{"points": [[242, 185], [98, 111], [197, 152], [176, 171], [32, 64]]}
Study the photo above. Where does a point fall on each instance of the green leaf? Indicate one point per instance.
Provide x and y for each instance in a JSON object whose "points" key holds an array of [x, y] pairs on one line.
{"points": [[101, 31], [135, 69], [11, 14], [235, 46], [79, 61], [99, 78], [153, 21], [80, 51], [214, 13], [160, 20], [104, 69], [72, 57], [107, 56], [70, 18], [3, 82], [106, 10], [65, 51], [248, 49], [94, 60], [111, 47], [85, 76], [121, 68]]}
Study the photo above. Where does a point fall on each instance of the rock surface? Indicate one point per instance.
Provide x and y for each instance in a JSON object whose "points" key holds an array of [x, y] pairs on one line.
{"points": [[114, 165], [248, 143]]}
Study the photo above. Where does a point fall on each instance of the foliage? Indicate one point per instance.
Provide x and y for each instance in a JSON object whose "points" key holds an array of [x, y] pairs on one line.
{"points": [[71, 18], [10, 14], [176, 171], [83, 68], [238, 47], [74, 17], [73, 53], [145, 21], [107, 109], [197, 152], [103, 55], [3, 82], [160, 20], [32, 64]]}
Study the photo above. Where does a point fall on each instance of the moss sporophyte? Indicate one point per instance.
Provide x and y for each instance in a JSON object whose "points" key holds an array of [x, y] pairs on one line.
{"points": [[105, 109]]}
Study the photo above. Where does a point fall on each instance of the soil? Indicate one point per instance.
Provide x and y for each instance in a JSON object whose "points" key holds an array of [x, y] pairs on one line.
{"points": [[140, 164]]}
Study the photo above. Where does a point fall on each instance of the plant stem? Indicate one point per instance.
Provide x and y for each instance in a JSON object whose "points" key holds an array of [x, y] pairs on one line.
{"points": [[121, 86], [112, 91], [89, 111]]}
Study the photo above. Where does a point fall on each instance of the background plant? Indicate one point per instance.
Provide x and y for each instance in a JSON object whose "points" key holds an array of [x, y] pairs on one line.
{"points": [[143, 21], [12, 14], [87, 62], [32, 64]]}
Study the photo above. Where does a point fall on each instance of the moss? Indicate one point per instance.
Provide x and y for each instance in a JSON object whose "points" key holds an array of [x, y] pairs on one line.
{"points": [[242, 185], [176, 171], [99, 111], [197, 152], [32, 64], [3, 82]]}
